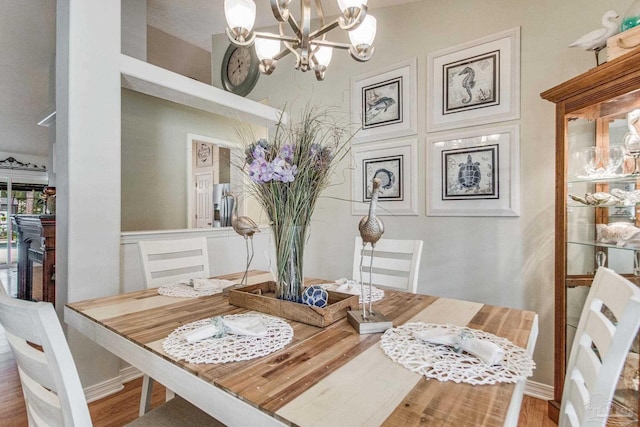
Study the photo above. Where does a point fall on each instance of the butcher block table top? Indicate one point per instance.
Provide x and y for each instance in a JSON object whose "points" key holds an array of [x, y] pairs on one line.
{"points": [[324, 377]]}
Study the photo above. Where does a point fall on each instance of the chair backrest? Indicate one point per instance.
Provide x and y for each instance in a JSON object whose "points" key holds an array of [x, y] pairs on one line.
{"points": [[396, 263], [167, 261], [599, 349], [50, 383]]}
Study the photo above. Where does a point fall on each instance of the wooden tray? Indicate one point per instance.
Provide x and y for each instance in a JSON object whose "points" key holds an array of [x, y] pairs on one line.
{"points": [[261, 297]]}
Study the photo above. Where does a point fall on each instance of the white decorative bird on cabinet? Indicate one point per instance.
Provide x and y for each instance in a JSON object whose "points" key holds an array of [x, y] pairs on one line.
{"points": [[371, 229], [596, 40], [246, 227]]}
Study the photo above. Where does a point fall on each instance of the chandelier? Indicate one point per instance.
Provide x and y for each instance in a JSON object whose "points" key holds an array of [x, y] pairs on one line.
{"points": [[311, 49]]}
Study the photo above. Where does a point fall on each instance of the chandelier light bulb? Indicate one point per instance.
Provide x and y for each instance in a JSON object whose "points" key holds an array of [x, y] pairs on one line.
{"points": [[346, 4], [267, 48], [240, 14], [323, 55], [363, 36]]}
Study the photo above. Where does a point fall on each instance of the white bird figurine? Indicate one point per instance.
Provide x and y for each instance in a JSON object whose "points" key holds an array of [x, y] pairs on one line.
{"points": [[246, 227], [371, 229], [596, 40]]}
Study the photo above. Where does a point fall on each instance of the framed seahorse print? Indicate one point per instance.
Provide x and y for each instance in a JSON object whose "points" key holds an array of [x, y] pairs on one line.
{"points": [[474, 83], [384, 103]]}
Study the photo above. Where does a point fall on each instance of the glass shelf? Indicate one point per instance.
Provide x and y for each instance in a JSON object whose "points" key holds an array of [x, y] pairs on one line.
{"points": [[628, 247], [618, 178], [574, 204]]}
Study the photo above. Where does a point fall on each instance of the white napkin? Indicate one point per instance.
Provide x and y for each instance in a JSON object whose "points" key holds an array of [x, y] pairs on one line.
{"points": [[488, 352], [252, 326], [207, 284], [352, 287]]}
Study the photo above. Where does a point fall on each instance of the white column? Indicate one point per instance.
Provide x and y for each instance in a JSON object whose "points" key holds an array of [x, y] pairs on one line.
{"points": [[88, 166]]}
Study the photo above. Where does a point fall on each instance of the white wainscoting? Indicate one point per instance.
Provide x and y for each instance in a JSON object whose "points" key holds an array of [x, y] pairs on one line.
{"points": [[227, 252]]}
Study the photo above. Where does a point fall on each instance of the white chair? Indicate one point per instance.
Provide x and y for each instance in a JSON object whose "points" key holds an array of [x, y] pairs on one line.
{"points": [[599, 350], [168, 261], [396, 263], [52, 390]]}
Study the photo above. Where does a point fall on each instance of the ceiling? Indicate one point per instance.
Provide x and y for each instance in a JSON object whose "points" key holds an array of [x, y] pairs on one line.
{"points": [[27, 43], [196, 20]]}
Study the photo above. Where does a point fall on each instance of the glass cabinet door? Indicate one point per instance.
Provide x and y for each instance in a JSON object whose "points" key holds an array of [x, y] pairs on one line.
{"points": [[602, 222]]}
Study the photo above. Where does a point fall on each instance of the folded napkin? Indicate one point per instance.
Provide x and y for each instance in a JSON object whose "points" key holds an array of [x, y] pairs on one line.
{"points": [[252, 326], [352, 287], [488, 352], [207, 284]]}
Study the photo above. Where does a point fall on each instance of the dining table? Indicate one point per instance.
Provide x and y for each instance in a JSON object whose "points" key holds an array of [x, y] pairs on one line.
{"points": [[331, 376]]}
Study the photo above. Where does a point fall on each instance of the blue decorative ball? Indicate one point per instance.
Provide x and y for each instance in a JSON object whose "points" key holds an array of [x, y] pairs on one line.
{"points": [[315, 295]]}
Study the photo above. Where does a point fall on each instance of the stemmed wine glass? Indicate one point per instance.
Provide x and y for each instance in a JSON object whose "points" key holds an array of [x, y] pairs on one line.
{"points": [[632, 146], [590, 158], [614, 159]]}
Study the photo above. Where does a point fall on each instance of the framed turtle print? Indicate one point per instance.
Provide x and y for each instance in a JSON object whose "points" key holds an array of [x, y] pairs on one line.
{"points": [[475, 83], [475, 172], [383, 103], [395, 164]]}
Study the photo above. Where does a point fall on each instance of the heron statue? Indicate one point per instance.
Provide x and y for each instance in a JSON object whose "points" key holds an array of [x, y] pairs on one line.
{"points": [[371, 230], [246, 227]]}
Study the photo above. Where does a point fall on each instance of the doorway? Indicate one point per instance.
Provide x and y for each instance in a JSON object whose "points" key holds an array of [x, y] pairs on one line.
{"points": [[21, 198]]}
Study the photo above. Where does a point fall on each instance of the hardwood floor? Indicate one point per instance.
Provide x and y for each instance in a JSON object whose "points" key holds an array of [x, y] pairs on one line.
{"points": [[122, 407]]}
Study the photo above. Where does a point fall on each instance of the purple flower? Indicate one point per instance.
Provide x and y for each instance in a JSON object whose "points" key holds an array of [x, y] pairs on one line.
{"points": [[286, 152], [257, 150], [260, 171], [283, 171]]}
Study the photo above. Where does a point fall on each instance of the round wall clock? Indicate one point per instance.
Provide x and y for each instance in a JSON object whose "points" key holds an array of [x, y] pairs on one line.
{"points": [[240, 70]]}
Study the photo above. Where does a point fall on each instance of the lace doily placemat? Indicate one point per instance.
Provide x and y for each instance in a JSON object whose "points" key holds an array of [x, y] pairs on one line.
{"points": [[186, 290], [444, 364], [377, 294], [229, 348]]}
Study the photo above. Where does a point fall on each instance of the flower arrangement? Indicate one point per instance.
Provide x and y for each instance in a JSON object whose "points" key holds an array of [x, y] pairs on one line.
{"points": [[287, 175]]}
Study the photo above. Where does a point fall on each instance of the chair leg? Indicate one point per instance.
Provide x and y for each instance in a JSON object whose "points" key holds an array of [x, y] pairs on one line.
{"points": [[145, 396]]}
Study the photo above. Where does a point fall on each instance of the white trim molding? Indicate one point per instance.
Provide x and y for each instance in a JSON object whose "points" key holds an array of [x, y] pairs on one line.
{"points": [[538, 390]]}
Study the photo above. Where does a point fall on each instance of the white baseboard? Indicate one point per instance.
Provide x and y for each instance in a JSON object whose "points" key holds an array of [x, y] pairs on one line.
{"points": [[129, 373], [114, 385], [103, 389], [538, 390]]}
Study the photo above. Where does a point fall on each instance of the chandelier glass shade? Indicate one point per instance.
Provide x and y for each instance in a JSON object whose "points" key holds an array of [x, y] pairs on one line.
{"points": [[311, 49]]}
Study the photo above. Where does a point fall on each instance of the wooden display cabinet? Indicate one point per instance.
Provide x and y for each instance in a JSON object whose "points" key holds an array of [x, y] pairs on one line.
{"points": [[592, 111]]}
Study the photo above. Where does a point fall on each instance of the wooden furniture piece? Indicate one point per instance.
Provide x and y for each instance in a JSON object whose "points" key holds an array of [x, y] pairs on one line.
{"points": [[167, 261], [599, 349], [591, 111], [50, 383], [36, 244], [326, 376], [396, 263]]}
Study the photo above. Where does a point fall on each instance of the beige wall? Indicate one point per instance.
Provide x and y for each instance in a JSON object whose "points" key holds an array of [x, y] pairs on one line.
{"points": [[154, 159], [502, 261], [167, 51]]}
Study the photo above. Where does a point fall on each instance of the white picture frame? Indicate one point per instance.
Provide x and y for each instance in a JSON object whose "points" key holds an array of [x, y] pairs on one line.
{"points": [[396, 164], [474, 172], [384, 102], [474, 83]]}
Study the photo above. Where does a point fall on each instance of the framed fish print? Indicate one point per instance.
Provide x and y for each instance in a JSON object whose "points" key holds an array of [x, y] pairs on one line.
{"points": [[383, 103], [475, 83], [475, 172], [395, 164]]}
